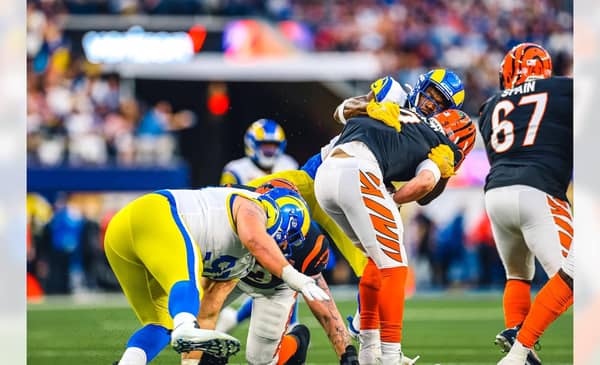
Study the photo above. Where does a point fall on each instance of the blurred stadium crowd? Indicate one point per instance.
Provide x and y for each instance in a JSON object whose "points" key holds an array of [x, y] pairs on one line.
{"points": [[79, 115]]}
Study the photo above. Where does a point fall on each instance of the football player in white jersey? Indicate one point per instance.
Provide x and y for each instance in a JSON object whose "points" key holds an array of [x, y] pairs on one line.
{"points": [[264, 144], [267, 342], [160, 245]]}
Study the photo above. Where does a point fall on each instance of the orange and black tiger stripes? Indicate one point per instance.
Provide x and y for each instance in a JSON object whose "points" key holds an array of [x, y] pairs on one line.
{"points": [[561, 214], [382, 219]]}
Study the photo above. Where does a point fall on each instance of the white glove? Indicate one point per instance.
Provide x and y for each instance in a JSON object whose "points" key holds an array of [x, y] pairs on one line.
{"points": [[302, 283]]}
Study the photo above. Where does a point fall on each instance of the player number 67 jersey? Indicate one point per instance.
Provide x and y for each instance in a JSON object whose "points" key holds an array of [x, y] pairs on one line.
{"points": [[206, 214]]}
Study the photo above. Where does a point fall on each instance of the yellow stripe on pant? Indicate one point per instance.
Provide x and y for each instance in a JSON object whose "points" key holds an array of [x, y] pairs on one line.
{"points": [[355, 257], [149, 250]]}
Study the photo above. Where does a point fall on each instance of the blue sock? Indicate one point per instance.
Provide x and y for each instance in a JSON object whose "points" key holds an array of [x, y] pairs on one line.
{"points": [[245, 310], [294, 318], [151, 338], [358, 301], [184, 297]]}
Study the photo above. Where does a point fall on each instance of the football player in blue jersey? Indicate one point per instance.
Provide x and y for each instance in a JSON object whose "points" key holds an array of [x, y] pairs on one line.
{"points": [[527, 128]]}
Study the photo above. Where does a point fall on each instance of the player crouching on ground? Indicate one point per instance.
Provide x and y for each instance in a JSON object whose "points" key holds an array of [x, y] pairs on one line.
{"points": [[160, 245], [273, 304]]}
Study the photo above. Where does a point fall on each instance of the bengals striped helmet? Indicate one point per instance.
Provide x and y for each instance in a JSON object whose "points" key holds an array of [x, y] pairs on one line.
{"points": [[459, 128], [523, 61]]}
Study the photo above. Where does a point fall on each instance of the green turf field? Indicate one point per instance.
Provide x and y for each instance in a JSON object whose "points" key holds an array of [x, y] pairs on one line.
{"points": [[443, 330]]}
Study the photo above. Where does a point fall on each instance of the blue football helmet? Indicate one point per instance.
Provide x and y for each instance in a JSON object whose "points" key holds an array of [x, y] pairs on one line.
{"points": [[444, 81], [264, 142], [288, 218]]}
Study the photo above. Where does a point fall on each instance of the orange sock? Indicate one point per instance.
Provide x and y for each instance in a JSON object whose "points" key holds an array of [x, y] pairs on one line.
{"points": [[391, 303], [516, 302], [368, 288], [550, 303], [287, 349]]}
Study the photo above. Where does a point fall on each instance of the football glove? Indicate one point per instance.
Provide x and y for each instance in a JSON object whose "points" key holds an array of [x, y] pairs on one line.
{"points": [[387, 112], [349, 357], [443, 157], [302, 283]]}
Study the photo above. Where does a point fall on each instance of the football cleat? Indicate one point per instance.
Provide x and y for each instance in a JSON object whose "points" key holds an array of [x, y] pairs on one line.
{"points": [[302, 335], [408, 361], [208, 359], [187, 337], [505, 340]]}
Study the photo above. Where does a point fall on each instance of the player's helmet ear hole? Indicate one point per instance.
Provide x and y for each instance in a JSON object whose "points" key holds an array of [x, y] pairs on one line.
{"points": [[288, 218]]}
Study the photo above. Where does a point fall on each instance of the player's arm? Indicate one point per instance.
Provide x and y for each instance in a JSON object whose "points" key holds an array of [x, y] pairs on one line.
{"points": [[215, 293], [437, 190], [330, 318], [352, 107], [426, 178], [250, 221]]}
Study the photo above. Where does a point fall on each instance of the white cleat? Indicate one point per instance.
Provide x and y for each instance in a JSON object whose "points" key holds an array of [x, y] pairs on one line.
{"points": [[408, 361], [188, 337], [369, 355], [512, 359]]}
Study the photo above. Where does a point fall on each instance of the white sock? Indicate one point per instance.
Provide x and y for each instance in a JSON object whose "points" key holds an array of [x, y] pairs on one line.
{"points": [[183, 317], [369, 338], [133, 356], [518, 350], [189, 362], [390, 348]]}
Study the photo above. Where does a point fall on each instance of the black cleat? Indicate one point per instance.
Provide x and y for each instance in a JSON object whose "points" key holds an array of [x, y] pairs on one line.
{"points": [[208, 359], [302, 335], [506, 338]]}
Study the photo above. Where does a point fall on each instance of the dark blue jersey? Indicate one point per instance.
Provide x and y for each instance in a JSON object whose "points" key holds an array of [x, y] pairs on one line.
{"points": [[310, 259], [528, 136], [398, 153]]}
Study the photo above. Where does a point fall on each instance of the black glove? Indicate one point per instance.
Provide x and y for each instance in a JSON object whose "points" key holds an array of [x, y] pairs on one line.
{"points": [[350, 357]]}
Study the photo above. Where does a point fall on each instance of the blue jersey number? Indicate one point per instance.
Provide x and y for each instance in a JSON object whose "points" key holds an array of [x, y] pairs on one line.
{"points": [[221, 266]]}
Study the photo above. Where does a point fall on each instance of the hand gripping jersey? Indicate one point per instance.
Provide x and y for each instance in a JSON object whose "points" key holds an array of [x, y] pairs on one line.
{"points": [[242, 170], [528, 135], [207, 216], [310, 259], [398, 153]]}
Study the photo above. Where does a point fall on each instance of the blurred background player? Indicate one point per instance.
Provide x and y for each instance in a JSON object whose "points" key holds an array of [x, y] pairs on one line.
{"points": [[352, 184], [216, 233], [264, 145], [527, 128]]}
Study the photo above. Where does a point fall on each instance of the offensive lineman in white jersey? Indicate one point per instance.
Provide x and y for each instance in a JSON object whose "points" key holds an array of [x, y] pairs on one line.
{"points": [[264, 144], [161, 243]]}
